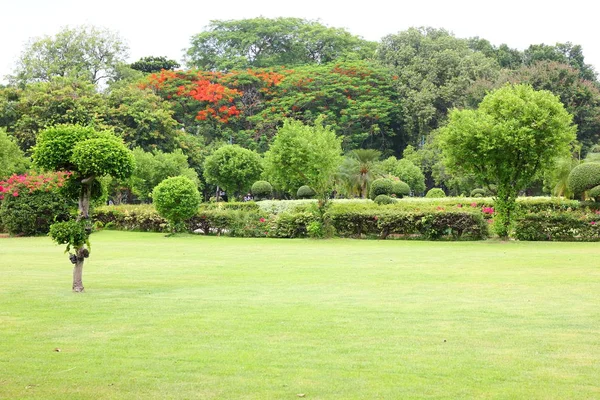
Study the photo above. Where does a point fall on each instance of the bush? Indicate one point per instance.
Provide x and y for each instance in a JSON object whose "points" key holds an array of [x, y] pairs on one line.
{"points": [[32, 213], [176, 199], [558, 226], [435, 193], [594, 193], [477, 193], [400, 189], [73, 233], [383, 199], [584, 177], [262, 190], [305, 192], [380, 186]]}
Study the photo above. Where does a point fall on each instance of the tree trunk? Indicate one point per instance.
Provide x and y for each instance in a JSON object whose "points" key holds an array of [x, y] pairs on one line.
{"points": [[78, 269]]}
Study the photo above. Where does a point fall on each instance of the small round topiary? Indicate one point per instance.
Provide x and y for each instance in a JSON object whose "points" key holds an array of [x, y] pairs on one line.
{"points": [[305, 192], [435, 193], [594, 193], [400, 189], [262, 190], [383, 199], [584, 177], [477, 193], [380, 186], [176, 199]]}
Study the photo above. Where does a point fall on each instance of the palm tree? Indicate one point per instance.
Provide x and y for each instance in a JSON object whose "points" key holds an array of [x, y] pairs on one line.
{"points": [[359, 169]]}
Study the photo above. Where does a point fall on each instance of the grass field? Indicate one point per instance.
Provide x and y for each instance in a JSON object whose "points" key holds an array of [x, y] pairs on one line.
{"points": [[204, 317]]}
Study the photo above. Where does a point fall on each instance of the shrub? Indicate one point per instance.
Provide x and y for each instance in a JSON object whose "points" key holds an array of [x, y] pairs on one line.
{"points": [[584, 177], [477, 193], [594, 193], [380, 186], [400, 189], [32, 203], [176, 199], [305, 192], [383, 199], [262, 190], [558, 226], [435, 193], [73, 233]]}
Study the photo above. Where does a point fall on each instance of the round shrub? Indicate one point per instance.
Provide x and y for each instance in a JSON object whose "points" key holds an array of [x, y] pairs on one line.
{"points": [[383, 199], [477, 193], [176, 199], [584, 177], [595, 193], [305, 192], [262, 190], [73, 233], [400, 189], [33, 213], [435, 193], [380, 186]]}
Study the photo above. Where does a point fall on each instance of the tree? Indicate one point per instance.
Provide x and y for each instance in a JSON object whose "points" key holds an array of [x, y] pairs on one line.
{"points": [[151, 168], [563, 53], [88, 154], [263, 42], [12, 159], [360, 168], [304, 155], [154, 64], [176, 199], [433, 71], [515, 134], [84, 52], [233, 168]]}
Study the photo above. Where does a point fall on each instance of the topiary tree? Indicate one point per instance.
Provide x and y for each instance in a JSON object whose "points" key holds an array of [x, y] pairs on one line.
{"points": [[176, 199], [88, 154], [435, 193], [305, 192], [477, 193], [584, 177], [594, 193], [233, 168], [380, 186], [261, 190], [400, 189]]}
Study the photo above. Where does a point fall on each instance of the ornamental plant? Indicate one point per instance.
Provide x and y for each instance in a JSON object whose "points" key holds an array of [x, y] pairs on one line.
{"points": [[435, 193], [88, 154], [176, 199]]}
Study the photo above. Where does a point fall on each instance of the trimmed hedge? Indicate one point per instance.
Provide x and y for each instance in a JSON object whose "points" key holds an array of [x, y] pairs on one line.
{"points": [[380, 186], [435, 193], [558, 227]]}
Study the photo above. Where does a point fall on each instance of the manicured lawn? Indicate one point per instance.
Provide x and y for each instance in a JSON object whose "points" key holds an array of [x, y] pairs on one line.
{"points": [[203, 317]]}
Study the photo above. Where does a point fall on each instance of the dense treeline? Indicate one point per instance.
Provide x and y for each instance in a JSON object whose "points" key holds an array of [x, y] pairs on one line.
{"points": [[243, 79]]}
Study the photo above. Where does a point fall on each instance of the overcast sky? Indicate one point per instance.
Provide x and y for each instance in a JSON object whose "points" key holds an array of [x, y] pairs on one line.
{"points": [[164, 27]]}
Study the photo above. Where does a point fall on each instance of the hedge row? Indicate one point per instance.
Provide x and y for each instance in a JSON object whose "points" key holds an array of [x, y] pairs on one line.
{"points": [[554, 226]]}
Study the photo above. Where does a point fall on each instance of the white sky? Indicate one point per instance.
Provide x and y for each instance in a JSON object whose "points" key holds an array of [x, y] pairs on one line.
{"points": [[163, 28]]}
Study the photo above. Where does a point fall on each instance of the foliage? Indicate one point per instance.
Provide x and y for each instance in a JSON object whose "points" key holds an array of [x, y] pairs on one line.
{"points": [[233, 168], [559, 226], [85, 52], [102, 155], [400, 189], [407, 171], [154, 64], [359, 168], [262, 42], [176, 199], [380, 186], [12, 159], [584, 177], [261, 190], [303, 155], [434, 69], [30, 203], [477, 192], [73, 233], [152, 168], [383, 199], [515, 134], [305, 192], [435, 193]]}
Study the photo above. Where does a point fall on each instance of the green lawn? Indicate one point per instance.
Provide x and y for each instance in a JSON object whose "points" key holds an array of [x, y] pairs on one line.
{"points": [[197, 317]]}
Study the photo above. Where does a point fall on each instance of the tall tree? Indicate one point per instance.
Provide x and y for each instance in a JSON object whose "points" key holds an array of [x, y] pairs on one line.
{"points": [[233, 168], [264, 42], [515, 134], [84, 52], [433, 71], [152, 64]]}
